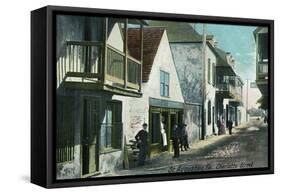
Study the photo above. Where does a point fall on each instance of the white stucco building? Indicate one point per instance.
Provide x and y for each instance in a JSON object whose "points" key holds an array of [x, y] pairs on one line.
{"points": [[162, 97]]}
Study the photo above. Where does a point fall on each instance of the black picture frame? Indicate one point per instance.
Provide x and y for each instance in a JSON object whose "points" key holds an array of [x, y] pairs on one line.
{"points": [[43, 96]]}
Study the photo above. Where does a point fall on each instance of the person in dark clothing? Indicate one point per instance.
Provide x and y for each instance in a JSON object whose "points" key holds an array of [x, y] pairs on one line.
{"points": [[184, 137], [230, 125], [141, 139], [176, 140], [219, 126]]}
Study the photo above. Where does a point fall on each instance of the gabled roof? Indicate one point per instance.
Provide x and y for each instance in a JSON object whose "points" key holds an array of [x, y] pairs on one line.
{"points": [[178, 31], [151, 40]]}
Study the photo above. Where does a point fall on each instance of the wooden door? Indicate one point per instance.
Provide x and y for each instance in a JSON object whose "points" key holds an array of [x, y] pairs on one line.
{"points": [[89, 136], [154, 133]]}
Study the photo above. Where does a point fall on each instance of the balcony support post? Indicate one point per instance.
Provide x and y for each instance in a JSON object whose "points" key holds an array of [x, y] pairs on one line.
{"points": [[126, 53], [141, 56], [103, 65]]}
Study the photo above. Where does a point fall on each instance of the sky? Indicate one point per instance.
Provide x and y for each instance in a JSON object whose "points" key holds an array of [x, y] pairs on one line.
{"points": [[239, 41]]}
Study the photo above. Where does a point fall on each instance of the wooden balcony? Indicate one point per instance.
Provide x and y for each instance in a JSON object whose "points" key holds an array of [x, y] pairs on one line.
{"points": [[100, 66], [262, 77], [226, 90], [237, 99], [230, 87], [82, 67]]}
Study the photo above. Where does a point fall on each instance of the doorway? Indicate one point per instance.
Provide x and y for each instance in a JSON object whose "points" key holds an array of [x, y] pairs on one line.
{"points": [[213, 120], [89, 136]]}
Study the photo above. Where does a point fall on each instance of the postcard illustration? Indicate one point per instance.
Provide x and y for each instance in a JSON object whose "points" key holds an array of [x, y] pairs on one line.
{"points": [[139, 97]]}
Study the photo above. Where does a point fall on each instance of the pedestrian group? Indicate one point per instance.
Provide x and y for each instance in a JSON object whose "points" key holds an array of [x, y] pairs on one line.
{"points": [[179, 138]]}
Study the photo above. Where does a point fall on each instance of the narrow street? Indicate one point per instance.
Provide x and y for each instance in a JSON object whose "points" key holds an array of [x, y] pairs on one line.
{"points": [[245, 148]]}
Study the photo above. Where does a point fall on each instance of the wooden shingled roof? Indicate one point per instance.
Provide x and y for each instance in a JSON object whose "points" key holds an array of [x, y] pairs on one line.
{"points": [[151, 40]]}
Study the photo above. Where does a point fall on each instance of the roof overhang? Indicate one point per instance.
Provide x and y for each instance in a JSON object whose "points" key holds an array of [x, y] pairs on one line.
{"points": [[225, 70]]}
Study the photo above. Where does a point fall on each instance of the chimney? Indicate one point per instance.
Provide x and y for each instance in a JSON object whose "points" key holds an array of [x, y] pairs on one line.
{"points": [[210, 39], [216, 44]]}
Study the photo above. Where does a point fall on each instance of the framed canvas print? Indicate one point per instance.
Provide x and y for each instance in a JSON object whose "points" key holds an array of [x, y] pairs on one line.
{"points": [[125, 96]]}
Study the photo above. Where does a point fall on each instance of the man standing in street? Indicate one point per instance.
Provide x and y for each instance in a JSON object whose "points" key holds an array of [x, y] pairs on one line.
{"points": [[176, 140], [230, 124], [141, 139], [184, 137]]}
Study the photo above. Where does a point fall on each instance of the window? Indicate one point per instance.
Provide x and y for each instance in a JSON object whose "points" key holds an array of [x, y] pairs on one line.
{"points": [[209, 71], [108, 125], [111, 129], [263, 47], [214, 74], [209, 113], [164, 83]]}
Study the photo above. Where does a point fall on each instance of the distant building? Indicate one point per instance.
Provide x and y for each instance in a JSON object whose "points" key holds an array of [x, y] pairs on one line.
{"points": [[229, 89]]}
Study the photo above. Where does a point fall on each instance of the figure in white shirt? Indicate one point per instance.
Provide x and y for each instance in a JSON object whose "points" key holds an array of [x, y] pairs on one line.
{"points": [[163, 134]]}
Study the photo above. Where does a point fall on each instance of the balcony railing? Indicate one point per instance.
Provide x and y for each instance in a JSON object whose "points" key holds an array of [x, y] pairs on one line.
{"points": [[79, 59], [116, 66], [83, 59], [230, 91], [237, 96], [134, 69], [226, 87], [262, 68]]}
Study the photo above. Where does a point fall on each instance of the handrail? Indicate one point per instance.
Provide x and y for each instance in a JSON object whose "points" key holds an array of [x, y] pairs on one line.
{"points": [[115, 50], [123, 54], [133, 59], [84, 43]]}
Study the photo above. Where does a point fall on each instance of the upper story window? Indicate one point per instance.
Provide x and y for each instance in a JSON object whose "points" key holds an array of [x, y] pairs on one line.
{"points": [[214, 74], [164, 83], [209, 71], [209, 113], [263, 47]]}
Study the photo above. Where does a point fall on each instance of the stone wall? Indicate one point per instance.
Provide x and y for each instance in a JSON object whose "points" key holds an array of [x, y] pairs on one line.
{"points": [[188, 62], [192, 118]]}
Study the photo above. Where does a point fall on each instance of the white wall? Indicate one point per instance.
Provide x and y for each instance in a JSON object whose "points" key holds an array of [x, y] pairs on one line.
{"points": [[164, 61], [136, 110], [210, 91], [242, 109], [115, 38], [15, 122]]}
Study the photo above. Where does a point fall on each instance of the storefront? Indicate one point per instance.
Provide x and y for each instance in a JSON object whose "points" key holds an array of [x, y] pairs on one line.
{"points": [[162, 113]]}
